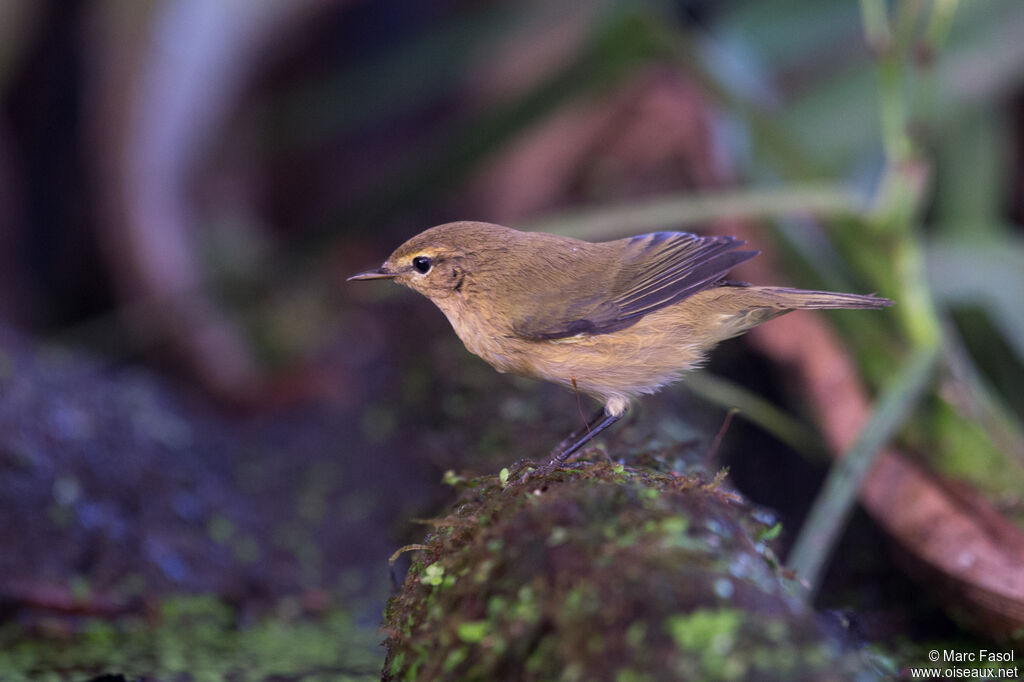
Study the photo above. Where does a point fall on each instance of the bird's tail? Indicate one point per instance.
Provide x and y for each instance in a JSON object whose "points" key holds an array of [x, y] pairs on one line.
{"points": [[753, 305], [800, 299]]}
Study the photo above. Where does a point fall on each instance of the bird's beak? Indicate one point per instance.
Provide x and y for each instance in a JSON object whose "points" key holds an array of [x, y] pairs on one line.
{"points": [[379, 273]]}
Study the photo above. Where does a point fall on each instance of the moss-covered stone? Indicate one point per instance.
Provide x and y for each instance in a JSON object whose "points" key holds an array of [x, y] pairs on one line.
{"points": [[604, 573]]}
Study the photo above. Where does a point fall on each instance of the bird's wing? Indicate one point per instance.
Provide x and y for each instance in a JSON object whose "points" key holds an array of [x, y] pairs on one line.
{"points": [[653, 271]]}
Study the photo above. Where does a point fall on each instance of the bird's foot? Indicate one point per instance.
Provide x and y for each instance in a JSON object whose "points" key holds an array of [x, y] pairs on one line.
{"points": [[552, 464]]}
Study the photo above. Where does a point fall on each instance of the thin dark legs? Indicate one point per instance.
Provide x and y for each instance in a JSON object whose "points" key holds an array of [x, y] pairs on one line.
{"points": [[574, 441], [580, 437], [587, 427]]}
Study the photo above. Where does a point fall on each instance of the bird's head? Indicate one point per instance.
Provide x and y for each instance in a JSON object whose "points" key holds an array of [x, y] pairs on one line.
{"points": [[438, 261]]}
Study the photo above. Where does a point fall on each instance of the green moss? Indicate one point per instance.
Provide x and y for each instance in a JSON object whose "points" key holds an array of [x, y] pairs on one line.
{"points": [[195, 638], [433, 575], [603, 572], [473, 631], [705, 629]]}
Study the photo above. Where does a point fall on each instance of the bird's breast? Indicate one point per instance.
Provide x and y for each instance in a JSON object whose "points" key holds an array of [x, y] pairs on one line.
{"points": [[482, 336]]}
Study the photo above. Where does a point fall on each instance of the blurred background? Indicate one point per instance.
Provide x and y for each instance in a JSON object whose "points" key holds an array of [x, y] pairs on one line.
{"points": [[202, 423]]}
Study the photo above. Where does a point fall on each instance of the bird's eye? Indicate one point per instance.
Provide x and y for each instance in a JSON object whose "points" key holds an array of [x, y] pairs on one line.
{"points": [[422, 264]]}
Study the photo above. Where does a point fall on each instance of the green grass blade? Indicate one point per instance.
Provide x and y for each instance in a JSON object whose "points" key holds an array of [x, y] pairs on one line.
{"points": [[836, 499]]}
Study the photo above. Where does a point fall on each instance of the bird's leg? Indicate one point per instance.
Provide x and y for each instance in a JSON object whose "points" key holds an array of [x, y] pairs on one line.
{"points": [[576, 440], [587, 427]]}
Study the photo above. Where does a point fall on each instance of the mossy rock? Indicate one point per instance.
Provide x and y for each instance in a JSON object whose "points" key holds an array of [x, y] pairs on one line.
{"points": [[605, 573]]}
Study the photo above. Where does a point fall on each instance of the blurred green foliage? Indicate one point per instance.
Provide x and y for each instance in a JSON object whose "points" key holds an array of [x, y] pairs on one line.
{"points": [[197, 638]]}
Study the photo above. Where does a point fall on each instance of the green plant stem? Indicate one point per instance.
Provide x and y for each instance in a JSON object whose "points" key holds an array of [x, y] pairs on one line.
{"points": [[939, 23], [905, 182], [920, 321], [876, 25]]}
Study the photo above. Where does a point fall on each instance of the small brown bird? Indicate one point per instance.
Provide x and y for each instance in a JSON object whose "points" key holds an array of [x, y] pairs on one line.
{"points": [[612, 319]]}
